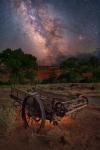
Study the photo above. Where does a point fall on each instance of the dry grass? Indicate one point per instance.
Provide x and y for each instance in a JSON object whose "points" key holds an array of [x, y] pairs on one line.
{"points": [[83, 133], [7, 118]]}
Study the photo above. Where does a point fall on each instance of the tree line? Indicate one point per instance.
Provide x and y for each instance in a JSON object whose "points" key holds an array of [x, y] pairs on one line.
{"points": [[22, 68], [77, 69]]}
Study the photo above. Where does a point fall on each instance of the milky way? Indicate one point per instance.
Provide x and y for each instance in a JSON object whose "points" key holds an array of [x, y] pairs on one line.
{"points": [[41, 26], [50, 30]]}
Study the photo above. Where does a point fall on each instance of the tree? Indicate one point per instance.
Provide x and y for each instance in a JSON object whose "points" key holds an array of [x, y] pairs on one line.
{"points": [[70, 63], [18, 63], [70, 76], [30, 75]]}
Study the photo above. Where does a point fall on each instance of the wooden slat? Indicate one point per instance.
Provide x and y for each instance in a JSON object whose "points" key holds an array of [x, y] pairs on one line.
{"points": [[75, 109], [19, 95]]}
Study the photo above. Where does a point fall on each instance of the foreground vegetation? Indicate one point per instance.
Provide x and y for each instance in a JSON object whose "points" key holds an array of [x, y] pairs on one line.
{"points": [[80, 133]]}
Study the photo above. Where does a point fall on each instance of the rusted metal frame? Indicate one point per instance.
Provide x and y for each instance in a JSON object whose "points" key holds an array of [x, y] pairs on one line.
{"points": [[43, 115], [75, 110]]}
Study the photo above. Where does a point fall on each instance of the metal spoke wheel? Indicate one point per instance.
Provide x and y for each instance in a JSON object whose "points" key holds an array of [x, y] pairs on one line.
{"points": [[60, 109], [33, 113]]}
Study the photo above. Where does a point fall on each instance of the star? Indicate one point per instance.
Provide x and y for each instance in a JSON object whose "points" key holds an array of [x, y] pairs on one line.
{"points": [[81, 37]]}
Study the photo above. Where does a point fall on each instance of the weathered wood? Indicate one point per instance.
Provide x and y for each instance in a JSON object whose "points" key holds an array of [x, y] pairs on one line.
{"points": [[76, 109], [41, 105], [19, 94], [46, 97]]}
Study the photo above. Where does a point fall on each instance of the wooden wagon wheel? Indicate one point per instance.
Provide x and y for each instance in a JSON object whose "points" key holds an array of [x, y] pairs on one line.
{"points": [[33, 113]]}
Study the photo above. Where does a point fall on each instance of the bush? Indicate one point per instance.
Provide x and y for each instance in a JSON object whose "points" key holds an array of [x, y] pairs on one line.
{"points": [[69, 76]]}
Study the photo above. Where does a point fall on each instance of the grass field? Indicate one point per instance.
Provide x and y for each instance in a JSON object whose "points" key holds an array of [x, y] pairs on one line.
{"points": [[81, 133]]}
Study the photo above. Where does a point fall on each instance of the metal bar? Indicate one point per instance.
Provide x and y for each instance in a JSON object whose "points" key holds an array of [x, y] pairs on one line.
{"points": [[76, 109], [47, 97]]}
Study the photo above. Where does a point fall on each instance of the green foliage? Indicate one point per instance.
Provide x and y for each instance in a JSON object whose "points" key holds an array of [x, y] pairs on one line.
{"points": [[74, 67], [70, 76], [30, 75], [71, 62], [18, 64], [51, 79]]}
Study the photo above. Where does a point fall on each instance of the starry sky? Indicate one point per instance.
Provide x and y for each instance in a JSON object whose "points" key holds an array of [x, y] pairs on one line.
{"points": [[50, 29]]}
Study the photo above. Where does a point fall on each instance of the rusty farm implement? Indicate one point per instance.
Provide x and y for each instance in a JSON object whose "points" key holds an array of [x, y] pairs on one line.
{"points": [[37, 106]]}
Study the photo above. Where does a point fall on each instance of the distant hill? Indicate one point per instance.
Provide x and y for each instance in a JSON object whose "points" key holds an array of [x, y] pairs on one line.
{"points": [[97, 53], [88, 55]]}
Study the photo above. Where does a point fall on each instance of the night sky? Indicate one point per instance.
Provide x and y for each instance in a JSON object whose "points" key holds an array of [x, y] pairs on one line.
{"points": [[50, 29]]}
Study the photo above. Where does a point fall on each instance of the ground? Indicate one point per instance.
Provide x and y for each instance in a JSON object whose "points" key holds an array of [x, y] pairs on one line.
{"points": [[80, 133]]}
